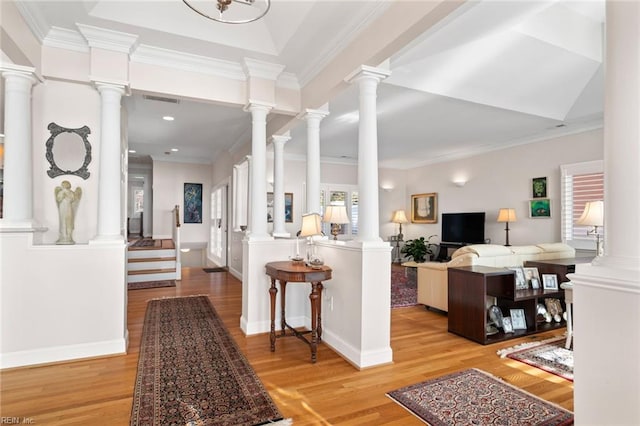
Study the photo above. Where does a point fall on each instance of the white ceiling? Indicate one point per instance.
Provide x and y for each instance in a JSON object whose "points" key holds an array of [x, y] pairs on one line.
{"points": [[493, 74]]}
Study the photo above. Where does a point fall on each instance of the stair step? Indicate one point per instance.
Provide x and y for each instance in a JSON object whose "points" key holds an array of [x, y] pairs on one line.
{"points": [[152, 277], [152, 265], [145, 254], [152, 271], [151, 259]]}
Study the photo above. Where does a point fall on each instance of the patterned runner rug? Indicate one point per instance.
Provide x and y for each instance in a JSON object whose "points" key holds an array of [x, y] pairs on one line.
{"points": [[191, 372], [144, 243], [151, 284], [404, 287], [548, 355], [476, 397]]}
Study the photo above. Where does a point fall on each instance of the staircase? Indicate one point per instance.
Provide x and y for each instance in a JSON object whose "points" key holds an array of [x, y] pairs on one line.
{"points": [[152, 263]]}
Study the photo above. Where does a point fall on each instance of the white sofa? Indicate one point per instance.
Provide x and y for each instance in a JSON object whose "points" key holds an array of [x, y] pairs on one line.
{"points": [[433, 276]]}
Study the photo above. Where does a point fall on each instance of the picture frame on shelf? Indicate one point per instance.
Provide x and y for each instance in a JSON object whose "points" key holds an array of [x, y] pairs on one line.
{"points": [[424, 208], [540, 208], [535, 283], [530, 274], [518, 320], [549, 281], [539, 187], [521, 281], [507, 326]]}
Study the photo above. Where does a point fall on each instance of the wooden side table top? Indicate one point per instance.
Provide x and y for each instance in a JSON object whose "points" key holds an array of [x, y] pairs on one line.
{"points": [[299, 272]]}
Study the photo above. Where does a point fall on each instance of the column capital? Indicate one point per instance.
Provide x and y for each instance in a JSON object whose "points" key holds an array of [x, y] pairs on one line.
{"points": [[281, 139], [9, 70], [261, 69], [310, 114], [365, 71], [120, 86], [258, 106]]}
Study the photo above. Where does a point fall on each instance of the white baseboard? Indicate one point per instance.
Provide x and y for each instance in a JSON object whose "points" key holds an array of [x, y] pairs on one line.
{"points": [[64, 353], [359, 359]]}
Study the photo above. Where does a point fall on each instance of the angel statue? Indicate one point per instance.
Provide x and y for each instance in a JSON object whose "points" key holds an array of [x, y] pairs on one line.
{"points": [[67, 206]]}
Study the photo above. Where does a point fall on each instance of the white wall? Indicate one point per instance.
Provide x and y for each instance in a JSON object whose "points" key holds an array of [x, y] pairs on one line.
{"points": [[503, 179], [168, 190], [60, 302], [68, 105]]}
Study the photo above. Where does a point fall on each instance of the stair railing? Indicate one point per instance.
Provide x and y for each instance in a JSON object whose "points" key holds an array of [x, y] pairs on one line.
{"points": [[176, 241]]}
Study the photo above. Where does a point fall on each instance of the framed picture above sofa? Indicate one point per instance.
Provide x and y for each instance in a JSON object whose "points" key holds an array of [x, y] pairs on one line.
{"points": [[424, 208], [540, 208]]}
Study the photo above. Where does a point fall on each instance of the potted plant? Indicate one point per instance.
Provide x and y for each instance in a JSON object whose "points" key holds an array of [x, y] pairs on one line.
{"points": [[419, 249]]}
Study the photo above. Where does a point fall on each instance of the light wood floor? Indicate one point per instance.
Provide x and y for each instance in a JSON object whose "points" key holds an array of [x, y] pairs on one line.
{"points": [[330, 392]]}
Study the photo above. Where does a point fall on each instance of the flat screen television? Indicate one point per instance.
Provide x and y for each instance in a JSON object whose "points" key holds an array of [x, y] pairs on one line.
{"points": [[463, 228]]}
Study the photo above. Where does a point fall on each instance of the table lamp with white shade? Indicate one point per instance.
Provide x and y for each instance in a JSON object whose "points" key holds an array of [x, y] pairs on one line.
{"points": [[506, 216], [593, 215], [336, 215], [311, 226]]}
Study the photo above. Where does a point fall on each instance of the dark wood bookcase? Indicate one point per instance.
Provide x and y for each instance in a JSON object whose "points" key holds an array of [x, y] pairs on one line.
{"points": [[470, 287]]}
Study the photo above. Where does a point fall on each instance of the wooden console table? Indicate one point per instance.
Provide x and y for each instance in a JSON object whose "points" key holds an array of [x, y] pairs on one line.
{"points": [[286, 272]]}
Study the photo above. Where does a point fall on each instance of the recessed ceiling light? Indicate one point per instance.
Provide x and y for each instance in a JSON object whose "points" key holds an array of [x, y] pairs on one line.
{"points": [[174, 149], [168, 118], [132, 151]]}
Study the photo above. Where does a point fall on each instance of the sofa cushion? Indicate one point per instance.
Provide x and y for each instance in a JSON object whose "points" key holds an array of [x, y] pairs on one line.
{"points": [[482, 250], [526, 250]]}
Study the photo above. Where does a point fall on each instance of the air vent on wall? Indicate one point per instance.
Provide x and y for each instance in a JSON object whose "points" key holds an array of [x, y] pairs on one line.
{"points": [[161, 99]]}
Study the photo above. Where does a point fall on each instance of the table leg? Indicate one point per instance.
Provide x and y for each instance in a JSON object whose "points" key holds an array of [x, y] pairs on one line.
{"points": [[313, 299], [272, 298], [319, 288], [567, 344], [283, 294]]}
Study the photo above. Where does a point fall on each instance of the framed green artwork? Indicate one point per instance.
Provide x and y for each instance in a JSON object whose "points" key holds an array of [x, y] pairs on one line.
{"points": [[540, 208]]}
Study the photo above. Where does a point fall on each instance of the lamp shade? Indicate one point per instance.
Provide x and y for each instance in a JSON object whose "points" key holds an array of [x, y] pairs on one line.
{"points": [[507, 215], [399, 216], [593, 214], [311, 225], [335, 214]]}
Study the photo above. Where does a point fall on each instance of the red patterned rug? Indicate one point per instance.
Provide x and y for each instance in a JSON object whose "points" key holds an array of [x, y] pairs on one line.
{"points": [[474, 397], [548, 355], [151, 284], [404, 287], [191, 372]]}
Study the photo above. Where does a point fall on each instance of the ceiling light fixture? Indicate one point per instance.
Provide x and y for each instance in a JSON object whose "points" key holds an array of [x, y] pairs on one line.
{"points": [[132, 151], [225, 11], [175, 149], [168, 118]]}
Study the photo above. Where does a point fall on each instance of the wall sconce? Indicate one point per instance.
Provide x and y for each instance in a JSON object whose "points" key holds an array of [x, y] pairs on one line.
{"points": [[460, 183], [386, 188]]}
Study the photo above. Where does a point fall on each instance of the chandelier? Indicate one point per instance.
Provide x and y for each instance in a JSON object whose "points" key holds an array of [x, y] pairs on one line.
{"points": [[230, 11]]}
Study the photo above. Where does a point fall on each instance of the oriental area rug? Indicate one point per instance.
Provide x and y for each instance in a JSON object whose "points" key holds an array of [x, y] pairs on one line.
{"points": [[404, 287], [191, 372], [549, 355], [475, 397]]}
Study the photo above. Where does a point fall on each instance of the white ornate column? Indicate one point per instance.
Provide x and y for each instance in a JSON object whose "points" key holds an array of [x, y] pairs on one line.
{"points": [[607, 293], [258, 187], [278, 185], [109, 169], [18, 155], [313, 118], [368, 217]]}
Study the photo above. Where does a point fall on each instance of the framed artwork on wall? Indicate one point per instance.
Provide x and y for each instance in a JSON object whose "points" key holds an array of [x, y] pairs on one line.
{"points": [[192, 203], [539, 187], [540, 208], [288, 207], [424, 208]]}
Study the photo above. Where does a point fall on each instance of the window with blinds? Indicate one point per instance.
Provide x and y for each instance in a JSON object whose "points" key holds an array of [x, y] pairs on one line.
{"points": [[581, 183]]}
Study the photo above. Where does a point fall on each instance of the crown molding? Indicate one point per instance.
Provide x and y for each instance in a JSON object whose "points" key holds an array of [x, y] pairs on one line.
{"points": [[33, 17], [188, 160], [108, 39], [340, 42], [288, 80], [188, 62], [63, 38]]}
